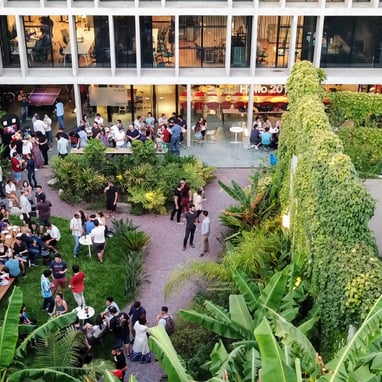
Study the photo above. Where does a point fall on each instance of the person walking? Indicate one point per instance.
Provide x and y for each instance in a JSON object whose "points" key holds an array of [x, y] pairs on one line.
{"points": [[46, 292], [77, 230], [48, 128], [177, 199], [76, 284], [205, 232], [190, 219]]}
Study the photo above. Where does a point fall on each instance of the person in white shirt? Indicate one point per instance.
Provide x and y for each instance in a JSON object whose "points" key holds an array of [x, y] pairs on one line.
{"points": [[99, 119], [27, 147], [52, 237], [26, 208], [120, 137], [48, 128], [77, 230], [38, 125], [205, 232], [97, 235], [62, 145]]}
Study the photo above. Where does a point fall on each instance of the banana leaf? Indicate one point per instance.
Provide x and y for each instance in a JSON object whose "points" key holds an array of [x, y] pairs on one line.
{"points": [[9, 331], [247, 288], [162, 346], [273, 366], [48, 375], [239, 313], [350, 356]]}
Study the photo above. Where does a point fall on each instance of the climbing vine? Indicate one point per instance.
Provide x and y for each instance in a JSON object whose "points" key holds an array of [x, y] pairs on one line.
{"points": [[329, 210]]}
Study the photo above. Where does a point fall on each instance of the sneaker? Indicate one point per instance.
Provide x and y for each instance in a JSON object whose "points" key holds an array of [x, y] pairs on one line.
{"points": [[34, 265], [256, 148], [50, 314], [201, 255], [192, 245], [24, 275], [180, 223], [184, 248], [75, 256]]}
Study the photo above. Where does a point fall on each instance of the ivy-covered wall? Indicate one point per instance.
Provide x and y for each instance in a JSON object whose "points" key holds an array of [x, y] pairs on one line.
{"points": [[329, 212]]}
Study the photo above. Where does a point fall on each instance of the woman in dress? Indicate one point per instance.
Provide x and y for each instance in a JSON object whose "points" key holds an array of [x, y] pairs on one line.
{"points": [[36, 152], [60, 305], [44, 146], [141, 351]]}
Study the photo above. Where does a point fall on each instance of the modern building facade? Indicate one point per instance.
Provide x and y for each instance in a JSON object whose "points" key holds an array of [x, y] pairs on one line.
{"points": [[195, 57]]}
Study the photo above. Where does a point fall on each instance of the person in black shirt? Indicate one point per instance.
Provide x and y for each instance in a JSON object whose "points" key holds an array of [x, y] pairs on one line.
{"points": [[177, 198], [120, 362], [190, 218]]}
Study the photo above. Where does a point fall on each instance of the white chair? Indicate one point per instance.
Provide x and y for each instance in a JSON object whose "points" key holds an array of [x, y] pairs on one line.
{"points": [[122, 109]]}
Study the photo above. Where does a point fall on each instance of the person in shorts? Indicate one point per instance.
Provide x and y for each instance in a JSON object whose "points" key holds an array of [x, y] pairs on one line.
{"points": [[59, 269], [98, 238]]}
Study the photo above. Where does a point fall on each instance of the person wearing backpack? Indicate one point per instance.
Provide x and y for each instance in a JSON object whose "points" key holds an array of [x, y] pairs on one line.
{"points": [[166, 320]]}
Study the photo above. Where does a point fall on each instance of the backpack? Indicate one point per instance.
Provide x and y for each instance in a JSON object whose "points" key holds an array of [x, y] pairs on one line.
{"points": [[170, 325]]}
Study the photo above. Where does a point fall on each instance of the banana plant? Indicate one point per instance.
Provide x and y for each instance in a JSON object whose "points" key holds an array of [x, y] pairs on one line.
{"points": [[53, 354]]}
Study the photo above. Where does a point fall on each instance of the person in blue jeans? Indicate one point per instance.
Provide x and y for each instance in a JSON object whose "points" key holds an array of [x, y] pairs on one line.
{"points": [[46, 292], [60, 113], [190, 219], [175, 139]]}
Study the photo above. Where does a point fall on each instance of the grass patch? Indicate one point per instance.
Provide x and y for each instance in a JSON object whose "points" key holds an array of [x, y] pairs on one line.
{"points": [[113, 278]]}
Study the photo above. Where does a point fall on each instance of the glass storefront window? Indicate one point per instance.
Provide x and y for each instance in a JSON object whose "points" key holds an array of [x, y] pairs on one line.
{"points": [[273, 41], [241, 41], [124, 32], [9, 42], [306, 35], [157, 41], [352, 42], [202, 41]]}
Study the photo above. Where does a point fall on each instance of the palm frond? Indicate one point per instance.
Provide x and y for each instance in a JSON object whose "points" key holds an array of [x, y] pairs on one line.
{"points": [[193, 271], [42, 331], [236, 192]]}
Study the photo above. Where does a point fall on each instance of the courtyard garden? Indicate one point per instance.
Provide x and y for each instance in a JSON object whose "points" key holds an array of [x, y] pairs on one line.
{"points": [[295, 295]]}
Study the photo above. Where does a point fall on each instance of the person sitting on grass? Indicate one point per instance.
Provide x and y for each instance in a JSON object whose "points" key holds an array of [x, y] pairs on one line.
{"points": [[24, 319], [52, 237], [60, 305]]}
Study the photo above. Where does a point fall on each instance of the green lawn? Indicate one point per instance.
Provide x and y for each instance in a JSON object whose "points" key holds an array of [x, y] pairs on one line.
{"points": [[101, 279]]}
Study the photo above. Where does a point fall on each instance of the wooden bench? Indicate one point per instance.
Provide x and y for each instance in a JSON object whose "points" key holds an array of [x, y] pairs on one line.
{"points": [[4, 288]]}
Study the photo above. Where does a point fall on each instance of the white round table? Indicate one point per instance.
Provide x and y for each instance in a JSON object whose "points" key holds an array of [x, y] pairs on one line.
{"points": [[236, 130], [87, 241], [85, 312]]}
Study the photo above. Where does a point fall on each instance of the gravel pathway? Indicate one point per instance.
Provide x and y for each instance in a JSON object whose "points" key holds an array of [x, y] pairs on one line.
{"points": [[164, 253]]}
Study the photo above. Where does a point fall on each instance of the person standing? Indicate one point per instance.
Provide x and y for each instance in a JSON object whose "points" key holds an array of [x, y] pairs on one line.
{"points": [[26, 209], [177, 199], [76, 228], [76, 284], [111, 198], [60, 113], [38, 124], [175, 139], [46, 291], [48, 128], [186, 195], [205, 232], [31, 171], [198, 200], [43, 212], [17, 169], [190, 219], [23, 101], [97, 235], [59, 269], [2, 193], [44, 146]]}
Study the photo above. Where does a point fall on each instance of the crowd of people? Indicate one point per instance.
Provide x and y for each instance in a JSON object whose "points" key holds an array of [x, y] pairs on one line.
{"points": [[263, 133]]}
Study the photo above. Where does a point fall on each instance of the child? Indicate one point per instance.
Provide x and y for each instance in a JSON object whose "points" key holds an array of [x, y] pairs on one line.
{"points": [[120, 362]]}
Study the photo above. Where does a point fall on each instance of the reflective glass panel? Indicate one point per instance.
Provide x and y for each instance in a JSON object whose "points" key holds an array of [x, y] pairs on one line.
{"points": [[9, 42], [241, 41], [124, 32]]}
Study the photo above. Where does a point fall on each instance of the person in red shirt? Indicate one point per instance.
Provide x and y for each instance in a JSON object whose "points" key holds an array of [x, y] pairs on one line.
{"points": [[17, 169], [76, 284]]}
